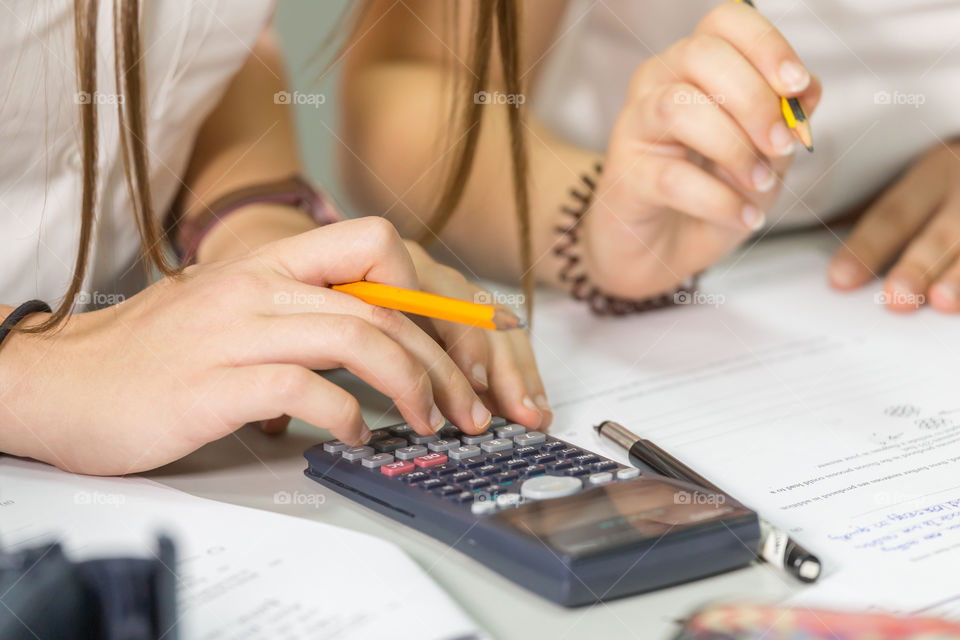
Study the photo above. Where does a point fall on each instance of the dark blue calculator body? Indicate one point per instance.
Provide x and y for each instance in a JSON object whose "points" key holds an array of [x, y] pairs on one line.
{"points": [[565, 523]]}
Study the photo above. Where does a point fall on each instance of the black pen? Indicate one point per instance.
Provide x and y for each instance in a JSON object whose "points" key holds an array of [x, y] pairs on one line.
{"points": [[776, 547]]}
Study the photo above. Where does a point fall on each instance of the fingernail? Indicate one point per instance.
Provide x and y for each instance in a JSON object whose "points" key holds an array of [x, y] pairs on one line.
{"points": [[846, 273], [903, 284], [781, 139], [365, 435], [479, 373], [541, 402], [752, 217], [794, 76], [948, 291], [436, 418], [480, 414], [763, 178], [529, 404]]}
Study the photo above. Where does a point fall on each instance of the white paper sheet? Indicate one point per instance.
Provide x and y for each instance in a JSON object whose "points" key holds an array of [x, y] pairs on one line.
{"points": [[836, 419], [244, 574]]}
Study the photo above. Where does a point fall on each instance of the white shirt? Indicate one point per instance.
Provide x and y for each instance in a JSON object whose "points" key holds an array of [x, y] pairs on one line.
{"points": [[890, 71], [191, 49]]}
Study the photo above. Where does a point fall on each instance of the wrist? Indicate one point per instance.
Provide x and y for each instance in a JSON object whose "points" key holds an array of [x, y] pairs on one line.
{"points": [[251, 227]]}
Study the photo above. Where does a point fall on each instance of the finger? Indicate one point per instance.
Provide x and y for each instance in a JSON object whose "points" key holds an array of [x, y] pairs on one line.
{"points": [[945, 294], [682, 113], [722, 72], [526, 362], [678, 184], [508, 388], [467, 347], [263, 392], [929, 255], [332, 341], [362, 249], [886, 227], [760, 42]]}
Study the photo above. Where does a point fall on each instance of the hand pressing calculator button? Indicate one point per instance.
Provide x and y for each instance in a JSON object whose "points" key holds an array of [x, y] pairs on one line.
{"points": [[546, 487]]}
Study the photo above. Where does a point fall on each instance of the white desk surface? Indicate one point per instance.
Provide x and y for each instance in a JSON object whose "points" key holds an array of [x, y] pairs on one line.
{"points": [[249, 468]]}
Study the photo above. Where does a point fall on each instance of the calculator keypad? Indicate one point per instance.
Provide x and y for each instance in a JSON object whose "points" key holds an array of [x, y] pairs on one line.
{"points": [[499, 469]]}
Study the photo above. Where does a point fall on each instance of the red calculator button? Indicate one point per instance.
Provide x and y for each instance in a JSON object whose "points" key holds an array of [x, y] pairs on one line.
{"points": [[396, 468], [430, 460]]}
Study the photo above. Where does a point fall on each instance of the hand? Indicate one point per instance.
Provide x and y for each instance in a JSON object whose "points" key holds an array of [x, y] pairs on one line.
{"points": [[190, 360], [915, 225], [500, 364], [697, 154]]}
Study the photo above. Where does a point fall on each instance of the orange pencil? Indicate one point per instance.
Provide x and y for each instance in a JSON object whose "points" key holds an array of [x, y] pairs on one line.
{"points": [[486, 316]]}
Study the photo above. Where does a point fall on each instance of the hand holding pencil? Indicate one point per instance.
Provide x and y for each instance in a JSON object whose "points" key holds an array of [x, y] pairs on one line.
{"points": [[698, 154]]}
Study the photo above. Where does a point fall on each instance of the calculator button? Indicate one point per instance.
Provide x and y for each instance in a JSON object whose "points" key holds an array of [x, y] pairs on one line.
{"points": [[464, 452], [498, 422], [463, 496], [432, 483], [416, 438], [543, 458], [378, 434], [546, 487], [627, 474], [577, 471], [477, 483], [527, 439], [396, 468], [524, 452], [472, 463], [510, 431], [449, 432], [514, 465], [389, 444], [487, 470], [569, 452], [447, 489], [586, 459], [411, 452], [534, 470], [335, 446], [443, 470], [553, 445], [505, 477], [462, 476], [430, 460], [443, 445], [600, 478], [357, 453], [476, 439], [605, 465], [483, 507], [499, 457], [377, 460], [499, 444], [416, 476], [400, 430], [560, 466]]}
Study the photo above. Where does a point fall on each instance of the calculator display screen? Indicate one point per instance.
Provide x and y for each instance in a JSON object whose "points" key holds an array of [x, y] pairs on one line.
{"points": [[619, 514]]}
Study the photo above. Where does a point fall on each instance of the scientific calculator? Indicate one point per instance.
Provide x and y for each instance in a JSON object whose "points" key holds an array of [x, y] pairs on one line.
{"points": [[564, 522]]}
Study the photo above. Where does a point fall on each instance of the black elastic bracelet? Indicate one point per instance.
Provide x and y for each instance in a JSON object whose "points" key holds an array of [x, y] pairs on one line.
{"points": [[21, 312]]}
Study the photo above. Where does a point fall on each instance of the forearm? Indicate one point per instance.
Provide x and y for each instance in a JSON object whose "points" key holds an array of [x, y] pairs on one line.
{"points": [[394, 165], [247, 139]]}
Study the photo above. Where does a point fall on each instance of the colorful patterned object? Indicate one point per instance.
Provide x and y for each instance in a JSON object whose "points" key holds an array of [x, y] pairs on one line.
{"points": [[751, 622]]}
